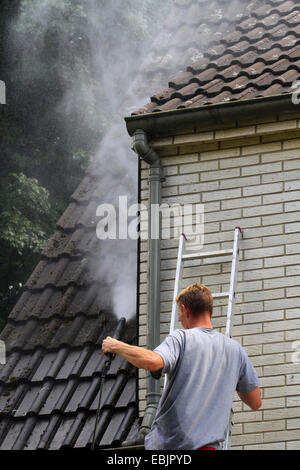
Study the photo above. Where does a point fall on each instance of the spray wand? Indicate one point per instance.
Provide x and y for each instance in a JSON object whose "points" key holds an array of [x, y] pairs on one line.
{"points": [[109, 357]]}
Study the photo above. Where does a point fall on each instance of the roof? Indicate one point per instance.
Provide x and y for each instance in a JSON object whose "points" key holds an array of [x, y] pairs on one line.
{"points": [[259, 58], [51, 379]]}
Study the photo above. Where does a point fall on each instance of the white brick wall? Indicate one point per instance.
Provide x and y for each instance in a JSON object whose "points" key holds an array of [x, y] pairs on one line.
{"points": [[247, 175]]}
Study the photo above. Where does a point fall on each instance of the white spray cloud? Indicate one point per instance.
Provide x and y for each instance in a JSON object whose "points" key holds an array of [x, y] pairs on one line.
{"points": [[126, 78]]}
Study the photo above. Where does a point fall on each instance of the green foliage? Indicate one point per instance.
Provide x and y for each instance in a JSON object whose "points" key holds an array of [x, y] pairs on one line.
{"points": [[24, 212]]}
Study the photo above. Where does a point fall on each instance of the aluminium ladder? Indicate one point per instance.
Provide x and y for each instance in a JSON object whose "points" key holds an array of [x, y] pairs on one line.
{"points": [[181, 258]]}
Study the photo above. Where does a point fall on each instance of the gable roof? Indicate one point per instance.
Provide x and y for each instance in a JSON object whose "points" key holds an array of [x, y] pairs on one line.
{"points": [[50, 383], [260, 58]]}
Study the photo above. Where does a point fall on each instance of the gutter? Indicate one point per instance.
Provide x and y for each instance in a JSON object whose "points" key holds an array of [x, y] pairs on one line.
{"points": [[141, 147], [159, 123]]}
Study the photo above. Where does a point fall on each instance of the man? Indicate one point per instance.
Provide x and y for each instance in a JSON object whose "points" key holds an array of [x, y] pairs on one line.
{"points": [[204, 369]]}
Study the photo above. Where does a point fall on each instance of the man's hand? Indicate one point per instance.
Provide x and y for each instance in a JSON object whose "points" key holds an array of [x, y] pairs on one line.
{"points": [[139, 357], [109, 345]]}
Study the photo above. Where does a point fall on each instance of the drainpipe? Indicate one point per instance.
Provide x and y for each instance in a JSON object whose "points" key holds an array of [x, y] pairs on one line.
{"points": [[141, 147]]}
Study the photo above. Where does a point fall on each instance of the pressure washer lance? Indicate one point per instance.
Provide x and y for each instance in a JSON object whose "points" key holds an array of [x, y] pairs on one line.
{"points": [[117, 335]]}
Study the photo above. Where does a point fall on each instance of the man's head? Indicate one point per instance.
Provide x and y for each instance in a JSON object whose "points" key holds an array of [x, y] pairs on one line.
{"points": [[195, 304]]}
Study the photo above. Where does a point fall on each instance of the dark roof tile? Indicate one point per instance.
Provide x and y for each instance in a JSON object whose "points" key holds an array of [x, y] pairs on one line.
{"points": [[259, 58]]}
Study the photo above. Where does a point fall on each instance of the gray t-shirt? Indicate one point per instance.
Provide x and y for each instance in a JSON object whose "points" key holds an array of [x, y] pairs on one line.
{"points": [[204, 368]]}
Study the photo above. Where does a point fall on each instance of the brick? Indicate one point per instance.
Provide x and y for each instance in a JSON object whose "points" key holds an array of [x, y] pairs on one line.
{"points": [[272, 446], [162, 142], [292, 206], [281, 369], [293, 312], [292, 185], [276, 126], [265, 359], [293, 424], [249, 307], [293, 401], [264, 426], [268, 403], [271, 381], [294, 334], [192, 148], [244, 223], [281, 391], [221, 174], [239, 161], [178, 159], [263, 273], [280, 436], [292, 144], [263, 231], [239, 182], [183, 198], [221, 216], [249, 243], [264, 252], [263, 316], [237, 132], [246, 329], [282, 176], [261, 148], [263, 210], [291, 228], [277, 347], [199, 188], [281, 261], [181, 179], [199, 167], [281, 197], [263, 189], [247, 439], [280, 218], [193, 138], [282, 282], [293, 291], [281, 240], [293, 379], [294, 248], [280, 303], [247, 416], [222, 194], [214, 155], [263, 338], [171, 191], [292, 164], [244, 202], [262, 169], [281, 413], [293, 445]]}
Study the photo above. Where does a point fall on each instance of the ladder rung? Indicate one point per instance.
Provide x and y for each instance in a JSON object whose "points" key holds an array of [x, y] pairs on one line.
{"points": [[221, 295], [208, 254]]}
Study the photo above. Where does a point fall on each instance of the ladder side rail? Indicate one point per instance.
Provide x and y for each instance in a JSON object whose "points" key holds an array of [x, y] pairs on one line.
{"points": [[233, 280], [231, 302], [178, 276]]}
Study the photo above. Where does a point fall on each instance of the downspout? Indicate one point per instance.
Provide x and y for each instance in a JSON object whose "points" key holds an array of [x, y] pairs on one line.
{"points": [[141, 147]]}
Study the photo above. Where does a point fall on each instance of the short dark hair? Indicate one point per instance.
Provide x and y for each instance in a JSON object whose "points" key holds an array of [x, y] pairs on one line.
{"points": [[197, 298]]}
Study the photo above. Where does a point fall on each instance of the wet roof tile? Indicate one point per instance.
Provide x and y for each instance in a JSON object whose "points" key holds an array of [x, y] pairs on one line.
{"points": [[258, 58]]}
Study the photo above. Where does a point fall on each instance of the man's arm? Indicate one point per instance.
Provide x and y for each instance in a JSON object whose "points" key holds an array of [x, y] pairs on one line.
{"points": [[252, 399], [139, 357]]}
